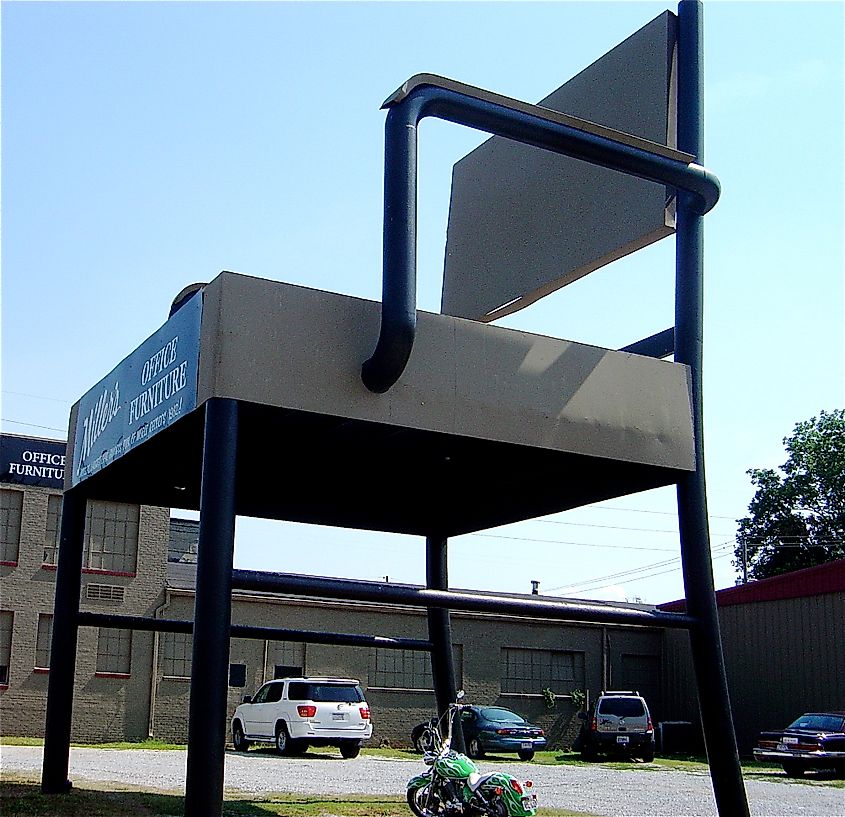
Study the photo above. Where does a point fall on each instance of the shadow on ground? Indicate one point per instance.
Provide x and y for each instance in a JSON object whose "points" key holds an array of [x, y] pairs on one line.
{"points": [[24, 799]]}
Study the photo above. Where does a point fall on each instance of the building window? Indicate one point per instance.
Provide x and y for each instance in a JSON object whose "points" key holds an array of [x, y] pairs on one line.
{"points": [[409, 669], [532, 671], [184, 541], [285, 659], [176, 655], [114, 651], [6, 620], [51, 540], [237, 675], [111, 543], [111, 535], [11, 504], [42, 641]]}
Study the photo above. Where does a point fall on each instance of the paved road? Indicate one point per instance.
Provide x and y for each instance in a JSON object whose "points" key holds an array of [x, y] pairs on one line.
{"points": [[594, 789]]}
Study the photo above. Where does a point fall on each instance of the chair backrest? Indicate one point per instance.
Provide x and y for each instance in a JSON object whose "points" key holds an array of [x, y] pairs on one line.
{"points": [[524, 222]]}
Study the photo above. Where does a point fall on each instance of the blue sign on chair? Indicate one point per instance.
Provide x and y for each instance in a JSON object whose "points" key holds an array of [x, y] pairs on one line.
{"points": [[144, 394]]}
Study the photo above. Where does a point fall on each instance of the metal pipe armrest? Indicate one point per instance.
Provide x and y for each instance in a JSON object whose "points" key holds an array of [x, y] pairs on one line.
{"points": [[430, 95]]}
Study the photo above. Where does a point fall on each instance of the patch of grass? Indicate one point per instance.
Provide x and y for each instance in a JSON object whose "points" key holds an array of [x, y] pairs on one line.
{"points": [[772, 773], [561, 758], [149, 743], [13, 741], [22, 797], [392, 754]]}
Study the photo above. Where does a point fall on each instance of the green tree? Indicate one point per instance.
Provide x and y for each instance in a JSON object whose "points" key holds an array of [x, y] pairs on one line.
{"points": [[797, 517]]}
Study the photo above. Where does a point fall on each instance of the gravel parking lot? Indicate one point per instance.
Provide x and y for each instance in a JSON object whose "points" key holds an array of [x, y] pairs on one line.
{"points": [[594, 789]]}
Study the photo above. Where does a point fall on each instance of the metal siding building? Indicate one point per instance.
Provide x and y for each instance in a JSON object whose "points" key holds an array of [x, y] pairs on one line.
{"points": [[784, 643]]}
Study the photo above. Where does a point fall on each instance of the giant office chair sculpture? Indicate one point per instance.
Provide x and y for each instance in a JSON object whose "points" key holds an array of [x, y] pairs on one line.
{"points": [[452, 425]]}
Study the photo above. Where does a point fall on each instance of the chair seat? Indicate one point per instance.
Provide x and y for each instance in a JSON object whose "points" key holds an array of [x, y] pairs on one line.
{"points": [[486, 426]]}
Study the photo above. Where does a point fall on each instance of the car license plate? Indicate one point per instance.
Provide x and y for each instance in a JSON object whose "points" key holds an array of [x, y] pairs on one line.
{"points": [[790, 740], [526, 745], [338, 716], [623, 739]]}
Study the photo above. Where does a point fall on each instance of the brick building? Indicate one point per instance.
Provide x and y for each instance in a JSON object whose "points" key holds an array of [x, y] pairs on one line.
{"points": [[123, 571]]}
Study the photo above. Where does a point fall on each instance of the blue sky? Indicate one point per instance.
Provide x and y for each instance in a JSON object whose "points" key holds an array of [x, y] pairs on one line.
{"points": [[150, 145]]}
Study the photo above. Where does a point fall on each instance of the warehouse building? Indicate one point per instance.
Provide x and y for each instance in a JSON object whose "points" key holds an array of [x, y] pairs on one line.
{"points": [[138, 561]]}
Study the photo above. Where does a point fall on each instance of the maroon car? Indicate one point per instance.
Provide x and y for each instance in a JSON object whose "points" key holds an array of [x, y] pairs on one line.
{"points": [[816, 740]]}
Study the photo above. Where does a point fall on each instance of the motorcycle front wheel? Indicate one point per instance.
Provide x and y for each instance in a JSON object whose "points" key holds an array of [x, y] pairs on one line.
{"points": [[423, 803]]}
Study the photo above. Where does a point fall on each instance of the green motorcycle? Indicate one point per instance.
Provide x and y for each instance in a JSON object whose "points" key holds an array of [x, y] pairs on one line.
{"points": [[453, 786]]}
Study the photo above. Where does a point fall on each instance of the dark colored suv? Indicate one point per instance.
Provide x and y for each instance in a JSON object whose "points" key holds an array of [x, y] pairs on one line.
{"points": [[619, 723]]}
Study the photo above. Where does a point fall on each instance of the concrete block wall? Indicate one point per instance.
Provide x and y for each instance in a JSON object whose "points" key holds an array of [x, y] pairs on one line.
{"points": [[396, 711]]}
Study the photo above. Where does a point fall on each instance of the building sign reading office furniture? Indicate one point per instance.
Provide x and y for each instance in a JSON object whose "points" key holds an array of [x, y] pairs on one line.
{"points": [[147, 392], [32, 461]]}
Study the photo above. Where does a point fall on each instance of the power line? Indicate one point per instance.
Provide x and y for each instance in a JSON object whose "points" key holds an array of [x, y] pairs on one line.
{"points": [[634, 571], [619, 575], [821, 543], [614, 527], [32, 425], [564, 542], [643, 510], [608, 527], [37, 396], [643, 578]]}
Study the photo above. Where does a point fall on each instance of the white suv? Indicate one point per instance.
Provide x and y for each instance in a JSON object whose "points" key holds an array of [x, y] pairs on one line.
{"points": [[295, 713]]}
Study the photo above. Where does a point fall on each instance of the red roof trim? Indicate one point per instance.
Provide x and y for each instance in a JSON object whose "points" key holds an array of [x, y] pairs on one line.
{"points": [[812, 581]]}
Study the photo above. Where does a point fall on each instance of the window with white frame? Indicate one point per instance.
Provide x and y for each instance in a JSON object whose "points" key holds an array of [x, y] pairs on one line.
{"points": [[409, 669], [114, 651], [176, 651], [43, 638], [7, 618], [11, 506], [51, 538], [529, 671]]}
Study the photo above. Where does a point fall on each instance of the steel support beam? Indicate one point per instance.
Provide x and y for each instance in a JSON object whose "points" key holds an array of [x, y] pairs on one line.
{"points": [[54, 772], [349, 589], [705, 640], [440, 632], [170, 625], [212, 613], [659, 345]]}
